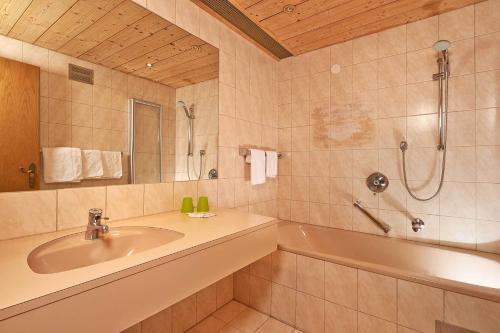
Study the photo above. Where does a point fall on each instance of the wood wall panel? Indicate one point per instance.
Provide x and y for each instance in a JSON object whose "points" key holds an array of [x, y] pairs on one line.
{"points": [[118, 34]]}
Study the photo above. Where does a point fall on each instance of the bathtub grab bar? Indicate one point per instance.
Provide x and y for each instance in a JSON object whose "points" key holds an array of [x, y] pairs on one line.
{"points": [[384, 226]]}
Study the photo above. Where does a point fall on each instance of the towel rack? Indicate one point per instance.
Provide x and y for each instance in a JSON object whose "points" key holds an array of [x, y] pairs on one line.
{"points": [[246, 152]]}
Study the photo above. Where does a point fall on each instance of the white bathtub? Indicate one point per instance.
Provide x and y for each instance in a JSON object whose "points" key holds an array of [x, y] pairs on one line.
{"points": [[473, 273]]}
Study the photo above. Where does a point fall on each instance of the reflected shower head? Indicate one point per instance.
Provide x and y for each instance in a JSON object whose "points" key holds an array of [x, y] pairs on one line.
{"points": [[441, 45], [190, 112]]}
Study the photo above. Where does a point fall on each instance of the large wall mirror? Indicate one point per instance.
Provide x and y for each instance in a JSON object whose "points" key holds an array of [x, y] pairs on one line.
{"points": [[100, 93]]}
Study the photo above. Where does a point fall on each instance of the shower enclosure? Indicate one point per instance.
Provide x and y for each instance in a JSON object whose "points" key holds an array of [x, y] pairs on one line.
{"points": [[441, 76], [145, 135]]}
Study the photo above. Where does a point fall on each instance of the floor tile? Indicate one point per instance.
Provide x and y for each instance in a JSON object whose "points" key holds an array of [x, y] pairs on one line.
{"points": [[274, 326], [249, 320]]}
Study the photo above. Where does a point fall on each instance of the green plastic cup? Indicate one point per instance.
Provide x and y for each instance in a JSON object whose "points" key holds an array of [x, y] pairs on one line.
{"points": [[202, 205], [187, 205]]}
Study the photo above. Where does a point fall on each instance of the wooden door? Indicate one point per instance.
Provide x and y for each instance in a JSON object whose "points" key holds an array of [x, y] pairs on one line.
{"points": [[19, 125]]}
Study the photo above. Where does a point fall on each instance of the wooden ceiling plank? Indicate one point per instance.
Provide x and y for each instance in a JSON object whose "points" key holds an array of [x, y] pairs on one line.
{"points": [[267, 8], [379, 13], [78, 18], [10, 12], [182, 67], [193, 73], [145, 46], [358, 28], [122, 16], [245, 3], [211, 73], [145, 27], [341, 12], [178, 59], [306, 9], [38, 17], [161, 54]]}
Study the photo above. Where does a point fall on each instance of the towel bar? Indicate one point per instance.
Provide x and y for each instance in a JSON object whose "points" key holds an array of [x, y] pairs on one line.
{"points": [[246, 152]]}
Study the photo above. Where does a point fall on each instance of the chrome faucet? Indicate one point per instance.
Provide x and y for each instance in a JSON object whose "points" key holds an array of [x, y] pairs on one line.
{"points": [[95, 227]]}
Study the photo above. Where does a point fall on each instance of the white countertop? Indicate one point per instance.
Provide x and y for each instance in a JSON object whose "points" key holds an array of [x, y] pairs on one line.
{"points": [[21, 289]]}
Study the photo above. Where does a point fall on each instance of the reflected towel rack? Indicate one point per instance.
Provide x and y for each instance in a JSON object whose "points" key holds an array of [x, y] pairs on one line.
{"points": [[246, 152], [384, 226]]}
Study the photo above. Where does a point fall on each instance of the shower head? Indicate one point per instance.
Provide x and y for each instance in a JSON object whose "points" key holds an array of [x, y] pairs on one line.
{"points": [[441, 45], [189, 113]]}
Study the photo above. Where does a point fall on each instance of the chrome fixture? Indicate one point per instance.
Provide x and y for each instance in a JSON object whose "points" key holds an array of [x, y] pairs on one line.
{"points": [[377, 182], [191, 117], [94, 227], [417, 224], [384, 226], [440, 46], [246, 152], [213, 174]]}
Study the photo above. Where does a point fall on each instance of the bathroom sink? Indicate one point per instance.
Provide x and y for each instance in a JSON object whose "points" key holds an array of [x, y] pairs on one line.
{"points": [[73, 251]]}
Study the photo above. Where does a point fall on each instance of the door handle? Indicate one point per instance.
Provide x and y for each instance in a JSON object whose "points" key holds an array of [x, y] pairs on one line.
{"points": [[31, 171]]}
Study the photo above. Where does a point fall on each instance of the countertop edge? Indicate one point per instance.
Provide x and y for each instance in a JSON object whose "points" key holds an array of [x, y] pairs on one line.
{"points": [[29, 305]]}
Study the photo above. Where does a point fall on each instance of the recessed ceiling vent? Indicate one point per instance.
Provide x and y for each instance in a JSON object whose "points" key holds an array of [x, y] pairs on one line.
{"points": [[80, 74], [225, 9]]}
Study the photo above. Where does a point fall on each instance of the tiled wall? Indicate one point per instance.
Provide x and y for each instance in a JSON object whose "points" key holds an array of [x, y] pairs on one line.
{"points": [[205, 98], [336, 129], [247, 116], [319, 296], [192, 310]]}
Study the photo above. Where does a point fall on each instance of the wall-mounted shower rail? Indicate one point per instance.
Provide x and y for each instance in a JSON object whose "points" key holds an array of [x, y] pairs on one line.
{"points": [[384, 226]]}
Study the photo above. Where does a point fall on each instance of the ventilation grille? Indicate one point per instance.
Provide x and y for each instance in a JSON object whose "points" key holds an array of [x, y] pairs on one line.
{"points": [[80, 74], [225, 9]]}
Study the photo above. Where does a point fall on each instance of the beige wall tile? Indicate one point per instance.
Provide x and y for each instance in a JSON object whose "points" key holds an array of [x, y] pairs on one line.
{"points": [[284, 268], [369, 324], [18, 218], [365, 48], [260, 294], [377, 295], [341, 285], [283, 303], [457, 24], [73, 205], [160, 322], [392, 41], [339, 319], [124, 201], [206, 302], [225, 291], [184, 314], [457, 232], [419, 306], [311, 276], [242, 287], [471, 313], [487, 96], [158, 198], [422, 34], [488, 127], [310, 313], [262, 267], [487, 17]]}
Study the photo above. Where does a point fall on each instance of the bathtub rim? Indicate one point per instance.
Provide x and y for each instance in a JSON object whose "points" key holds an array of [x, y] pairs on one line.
{"points": [[487, 293]]}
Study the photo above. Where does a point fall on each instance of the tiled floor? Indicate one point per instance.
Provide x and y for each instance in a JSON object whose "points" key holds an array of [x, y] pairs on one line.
{"points": [[235, 317]]}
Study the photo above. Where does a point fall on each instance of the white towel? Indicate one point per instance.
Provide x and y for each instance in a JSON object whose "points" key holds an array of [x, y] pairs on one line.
{"points": [[61, 165], [112, 164], [271, 164], [257, 161], [91, 164]]}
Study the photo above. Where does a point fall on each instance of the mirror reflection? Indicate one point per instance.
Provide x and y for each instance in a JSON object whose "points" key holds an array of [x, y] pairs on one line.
{"points": [[124, 96]]}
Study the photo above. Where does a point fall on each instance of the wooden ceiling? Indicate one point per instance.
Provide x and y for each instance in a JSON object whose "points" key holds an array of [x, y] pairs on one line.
{"points": [[314, 24], [118, 34]]}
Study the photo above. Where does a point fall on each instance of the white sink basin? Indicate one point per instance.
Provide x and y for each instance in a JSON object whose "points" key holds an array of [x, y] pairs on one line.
{"points": [[73, 251]]}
